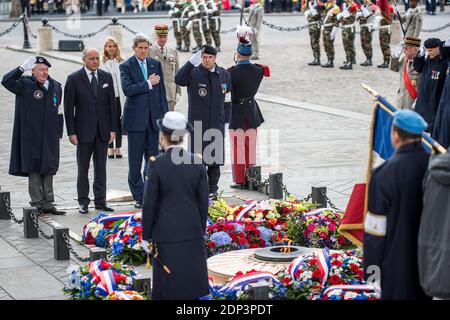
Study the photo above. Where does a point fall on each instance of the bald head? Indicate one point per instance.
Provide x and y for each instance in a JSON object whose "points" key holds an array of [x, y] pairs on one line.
{"points": [[91, 58]]}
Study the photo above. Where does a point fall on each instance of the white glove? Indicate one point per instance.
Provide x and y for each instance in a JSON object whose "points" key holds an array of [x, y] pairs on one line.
{"points": [[399, 49], [345, 13], [365, 12], [333, 32], [228, 97], [29, 64], [209, 11], [359, 14], [307, 13], [176, 10], [339, 15], [422, 51], [376, 22], [196, 59], [191, 14], [145, 246], [313, 11], [170, 13], [447, 43]]}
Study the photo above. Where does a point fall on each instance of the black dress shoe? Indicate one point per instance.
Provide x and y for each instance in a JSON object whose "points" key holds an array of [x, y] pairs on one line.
{"points": [[103, 207], [138, 205], [84, 209], [118, 156], [53, 211]]}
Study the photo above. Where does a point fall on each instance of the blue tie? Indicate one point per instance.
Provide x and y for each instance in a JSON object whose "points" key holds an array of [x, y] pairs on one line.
{"points": [[144, 70]]}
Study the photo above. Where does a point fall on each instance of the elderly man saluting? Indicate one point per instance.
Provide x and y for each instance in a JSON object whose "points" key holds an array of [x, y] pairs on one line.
{"points": [[38, 127]]}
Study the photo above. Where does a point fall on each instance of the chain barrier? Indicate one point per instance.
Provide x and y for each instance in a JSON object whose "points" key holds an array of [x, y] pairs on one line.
{"points": [[332, 206], [72, 251], [11, 214], [125, 27], [436, 29], [34, 219], [79, 36], [12, 27], [279, 28]]}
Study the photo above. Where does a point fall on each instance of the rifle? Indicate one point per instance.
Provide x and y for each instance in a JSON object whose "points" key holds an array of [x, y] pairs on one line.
{"points": [[399, 18]]}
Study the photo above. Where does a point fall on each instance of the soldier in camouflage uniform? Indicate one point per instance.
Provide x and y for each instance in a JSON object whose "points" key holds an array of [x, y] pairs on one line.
{"points": [[195, 20], [330, 27], [185, 32], [175, 15], [314, 18], [347, 18], [365, 17], [205, 22], [384, 25], [412, 19], [215, 8]]}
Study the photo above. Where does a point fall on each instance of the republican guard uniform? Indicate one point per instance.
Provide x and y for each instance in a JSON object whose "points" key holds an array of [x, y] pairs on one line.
{"points": [[392, 222], [246, 116], [174, 215]]}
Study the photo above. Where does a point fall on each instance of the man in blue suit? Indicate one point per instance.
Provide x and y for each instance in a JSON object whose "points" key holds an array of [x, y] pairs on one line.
{"points": [[143, 85]]}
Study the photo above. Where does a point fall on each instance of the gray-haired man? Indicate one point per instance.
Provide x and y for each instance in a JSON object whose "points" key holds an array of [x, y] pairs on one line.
{"points": [[143, 85]]}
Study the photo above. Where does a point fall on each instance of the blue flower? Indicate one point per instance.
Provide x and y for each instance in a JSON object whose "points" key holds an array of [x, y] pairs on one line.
{"points": [[100, 240], [221, 238], [117, 248], [239, 227], [266, 234]]}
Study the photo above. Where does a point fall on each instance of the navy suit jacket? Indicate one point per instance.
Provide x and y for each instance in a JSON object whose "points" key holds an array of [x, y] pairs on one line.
{"points": [[87, 113], [142, 105]]}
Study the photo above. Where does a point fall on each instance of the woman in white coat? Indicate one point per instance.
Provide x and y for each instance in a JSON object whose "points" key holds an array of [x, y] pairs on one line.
{"points": [[110, 62]]}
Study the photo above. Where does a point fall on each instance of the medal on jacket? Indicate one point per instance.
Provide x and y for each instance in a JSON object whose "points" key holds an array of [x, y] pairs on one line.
{"points": [[38, 94], [224, 88], [202, 92], [435, 74]]}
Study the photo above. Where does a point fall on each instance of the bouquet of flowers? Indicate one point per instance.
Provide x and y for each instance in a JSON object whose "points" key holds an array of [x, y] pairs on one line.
{"points": [[125, 295], [317, 229], [102, 226], [126, 240], [304, 279], [349, 292], [237, 288], [346, 268], [227, 236], [98, 280], [218, 208]]}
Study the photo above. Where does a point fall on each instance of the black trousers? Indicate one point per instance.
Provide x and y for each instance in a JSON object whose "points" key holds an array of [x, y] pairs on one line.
{"points": [[118, 140], [98, 151], [213, 178]]}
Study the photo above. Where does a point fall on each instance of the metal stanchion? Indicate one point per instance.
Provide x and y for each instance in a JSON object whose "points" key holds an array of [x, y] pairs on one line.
{"points": [[29, 228], [142, 284], [319, 196], [61, 250], [276, 186], [96, 253], [254, 177], [26, 41], [4, 214]]}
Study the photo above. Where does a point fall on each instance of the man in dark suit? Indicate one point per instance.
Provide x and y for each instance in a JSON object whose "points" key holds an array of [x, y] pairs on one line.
{"points": [[90, 111], [174, 216], [143, 85]]}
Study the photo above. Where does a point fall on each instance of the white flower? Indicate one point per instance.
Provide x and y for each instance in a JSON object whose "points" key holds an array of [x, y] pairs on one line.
{"points": [[137, 247], [350, 295], [138, 215], [335, 292]]}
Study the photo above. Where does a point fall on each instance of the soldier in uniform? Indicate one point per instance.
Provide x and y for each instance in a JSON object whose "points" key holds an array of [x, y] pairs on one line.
{"points": [[169, 62], [255, 23], [205, 22], [215, 8], [348, 18], [207, 85], [392, 222], [330, 27], [383, 24], [365, 18], [194, 15], [174, 216], [433, 71], [412, 20], [175, 15], [38, 127], [246, 116], [185, 26], [401, 62], [314, 20]]}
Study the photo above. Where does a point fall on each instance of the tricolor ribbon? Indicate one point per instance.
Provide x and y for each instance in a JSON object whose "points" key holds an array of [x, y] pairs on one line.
{"points": [[107, 281], [245, 210], [319, 211], [295, 265], [351, 287], [324, 264], [241, 281]]}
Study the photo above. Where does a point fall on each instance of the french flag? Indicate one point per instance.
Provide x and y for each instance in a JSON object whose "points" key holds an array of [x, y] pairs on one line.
{"points": [[380, 150]]}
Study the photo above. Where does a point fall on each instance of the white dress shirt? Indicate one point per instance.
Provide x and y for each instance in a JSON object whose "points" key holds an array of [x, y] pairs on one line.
{"points": [[145, 64], [89, 74]]}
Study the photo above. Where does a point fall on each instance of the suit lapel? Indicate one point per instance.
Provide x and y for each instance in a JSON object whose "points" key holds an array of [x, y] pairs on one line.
{"points": [[86, 81], [137, 67]]}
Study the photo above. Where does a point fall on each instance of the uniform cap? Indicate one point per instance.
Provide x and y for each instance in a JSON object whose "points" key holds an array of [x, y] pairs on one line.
{"points": [[409, 121], [173, 121], [209, 49], [42, 60], [432, 43], [412, 41], [245, 48], [161, 30]]}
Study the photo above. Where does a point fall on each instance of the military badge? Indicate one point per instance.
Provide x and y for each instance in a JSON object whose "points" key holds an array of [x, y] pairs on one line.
{"points": [[224, 88], [38, 94], [202, 92], [435, 74]]}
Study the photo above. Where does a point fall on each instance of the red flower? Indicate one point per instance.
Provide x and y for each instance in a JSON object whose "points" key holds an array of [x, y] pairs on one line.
{"points": [[286, 281], [233, 236], [323, 235], [317, 274], [334, 279], [312, 262], [119, 277], [299, 272], [336, 263], [137, 229], [212, 245], [125, 238], [341, 240], [262, 243], [253, 246], [105, 265], [243, 241], [229, 227]]}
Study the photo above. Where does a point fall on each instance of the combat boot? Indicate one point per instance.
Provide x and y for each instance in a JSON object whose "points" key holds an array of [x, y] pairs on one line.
{"points": [[385, 64], [367, 63], [194, 50], [329, 64], [353, 61], [347, 65], [315, 62], [218, 49], [179, 47], [185, 49]]}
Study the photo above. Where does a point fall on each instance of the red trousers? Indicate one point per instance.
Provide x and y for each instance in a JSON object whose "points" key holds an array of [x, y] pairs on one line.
{"points": [[243, 152]]}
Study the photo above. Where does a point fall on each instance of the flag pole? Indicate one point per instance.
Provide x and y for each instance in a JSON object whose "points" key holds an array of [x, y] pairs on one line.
{"points": [[425, 136], [399, 17]]}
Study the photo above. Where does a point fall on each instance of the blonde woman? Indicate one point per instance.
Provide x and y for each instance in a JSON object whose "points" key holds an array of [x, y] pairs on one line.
{"points": [[110, 62]]}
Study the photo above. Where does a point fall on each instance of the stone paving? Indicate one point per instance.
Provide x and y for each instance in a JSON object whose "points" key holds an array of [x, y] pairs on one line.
{"points": [[316, 134]]}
